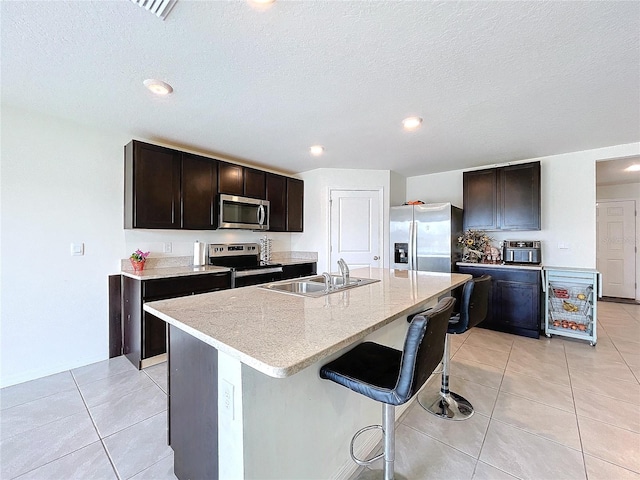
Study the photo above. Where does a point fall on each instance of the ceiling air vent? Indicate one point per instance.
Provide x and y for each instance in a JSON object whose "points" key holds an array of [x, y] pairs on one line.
{"points": [[160, 8]]}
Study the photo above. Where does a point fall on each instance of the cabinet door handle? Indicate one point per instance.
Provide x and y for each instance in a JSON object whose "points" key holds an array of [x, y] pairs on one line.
{"points": [[376, 257]]}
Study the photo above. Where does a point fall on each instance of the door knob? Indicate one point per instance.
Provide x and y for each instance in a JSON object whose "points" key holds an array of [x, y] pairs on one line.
{"points": [[376, 257]]}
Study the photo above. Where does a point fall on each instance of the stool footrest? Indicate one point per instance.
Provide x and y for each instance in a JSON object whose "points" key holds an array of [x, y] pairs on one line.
{"points": [[353, 439]]}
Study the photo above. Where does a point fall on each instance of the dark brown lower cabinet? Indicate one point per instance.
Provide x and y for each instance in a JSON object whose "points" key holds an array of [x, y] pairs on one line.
{"points": [[193, 406], [515, 302], [145, 336], [298, 270]]}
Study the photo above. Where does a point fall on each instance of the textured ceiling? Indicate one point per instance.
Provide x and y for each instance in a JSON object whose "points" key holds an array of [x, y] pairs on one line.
{"points": [[494, 81]]}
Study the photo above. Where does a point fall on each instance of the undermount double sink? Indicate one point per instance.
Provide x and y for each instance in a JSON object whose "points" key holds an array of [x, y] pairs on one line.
{"points": [[316, 286]]}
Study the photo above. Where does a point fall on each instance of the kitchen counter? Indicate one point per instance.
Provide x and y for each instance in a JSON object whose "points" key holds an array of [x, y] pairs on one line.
{"points": [[169, 272], [244, 363], [504, 266], [176, 266], [279, 334]]}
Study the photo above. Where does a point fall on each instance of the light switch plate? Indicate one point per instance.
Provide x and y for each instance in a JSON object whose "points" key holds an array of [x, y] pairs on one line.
{"points": [[77, 249]]}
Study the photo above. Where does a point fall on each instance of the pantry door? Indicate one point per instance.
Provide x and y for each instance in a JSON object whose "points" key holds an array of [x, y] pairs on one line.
{"points": [[616, 244], [356, 228]]}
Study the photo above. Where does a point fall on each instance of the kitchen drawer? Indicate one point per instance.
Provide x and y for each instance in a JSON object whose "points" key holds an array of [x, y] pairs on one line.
{"points": [[182, 286]]}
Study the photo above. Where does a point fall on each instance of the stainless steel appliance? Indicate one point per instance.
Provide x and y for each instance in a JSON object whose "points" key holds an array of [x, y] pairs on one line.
{"points": [[424, 237], [243, 213], [245, 264], [522, 251]]}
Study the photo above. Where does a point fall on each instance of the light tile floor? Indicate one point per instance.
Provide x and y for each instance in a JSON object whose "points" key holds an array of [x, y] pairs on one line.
{"points": [[545, 409]]}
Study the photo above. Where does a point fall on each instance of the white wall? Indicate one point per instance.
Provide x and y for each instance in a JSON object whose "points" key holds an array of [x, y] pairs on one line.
{"points": [[627, 191], [63, 183], [568, 203], [317, 184]]}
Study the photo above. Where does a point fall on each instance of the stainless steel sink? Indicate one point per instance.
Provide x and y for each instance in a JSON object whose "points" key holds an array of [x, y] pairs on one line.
{"points": [[338, 281], [315, 286]]}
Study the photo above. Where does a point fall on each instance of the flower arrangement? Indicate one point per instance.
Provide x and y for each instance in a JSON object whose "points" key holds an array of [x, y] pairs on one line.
{"points": [[473, 243], [139, 256], [137, 260]]}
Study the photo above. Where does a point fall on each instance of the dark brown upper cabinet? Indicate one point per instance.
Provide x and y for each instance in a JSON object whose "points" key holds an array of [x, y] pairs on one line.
{"points": [[276, 190], [152, 186], [295, 205], [254, 183], [230, 179], [503, 198], [171, 189], [199, 190]]}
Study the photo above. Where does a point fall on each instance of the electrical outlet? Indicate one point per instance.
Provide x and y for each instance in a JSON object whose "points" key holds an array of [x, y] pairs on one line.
{"points": [[227, 398], [167, 247], [77, 249]]}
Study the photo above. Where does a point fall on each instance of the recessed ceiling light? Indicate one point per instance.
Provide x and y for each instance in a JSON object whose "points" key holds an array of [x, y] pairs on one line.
{"points": [[261, 4], [158, 87], [633, 168], [316, 150], [411, 123]]}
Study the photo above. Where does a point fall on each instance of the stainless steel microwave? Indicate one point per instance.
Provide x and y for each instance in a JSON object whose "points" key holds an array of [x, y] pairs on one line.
{"points": [[243, 212]]}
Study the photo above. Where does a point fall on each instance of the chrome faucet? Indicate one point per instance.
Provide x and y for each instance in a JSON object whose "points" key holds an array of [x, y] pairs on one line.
{"points": [[327, 281], [344, 271]]}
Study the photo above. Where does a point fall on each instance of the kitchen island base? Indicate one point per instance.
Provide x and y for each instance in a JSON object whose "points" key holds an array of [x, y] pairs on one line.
{"points": [[274, 418], [227, 420]]}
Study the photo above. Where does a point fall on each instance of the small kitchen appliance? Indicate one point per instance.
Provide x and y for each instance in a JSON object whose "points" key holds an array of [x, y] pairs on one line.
{"points": [[522, 252], [244, 261]]}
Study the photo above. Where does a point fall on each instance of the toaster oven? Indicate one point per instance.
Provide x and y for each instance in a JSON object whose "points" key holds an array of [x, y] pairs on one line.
{"points": [[522, 251]]}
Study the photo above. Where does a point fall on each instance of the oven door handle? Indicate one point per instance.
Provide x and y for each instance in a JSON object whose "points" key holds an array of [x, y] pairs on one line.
{"points": [[261, 271]]}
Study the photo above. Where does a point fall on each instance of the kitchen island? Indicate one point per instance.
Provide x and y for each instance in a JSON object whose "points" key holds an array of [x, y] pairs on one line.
{"points": [[245, 398]]}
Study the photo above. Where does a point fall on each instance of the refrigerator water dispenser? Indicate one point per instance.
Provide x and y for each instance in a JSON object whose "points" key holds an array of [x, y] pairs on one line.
{"points": [[400, 253]]}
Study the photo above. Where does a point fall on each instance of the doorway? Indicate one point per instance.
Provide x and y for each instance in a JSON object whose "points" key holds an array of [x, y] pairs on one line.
{"points": [[615, 242], [356, 228]]}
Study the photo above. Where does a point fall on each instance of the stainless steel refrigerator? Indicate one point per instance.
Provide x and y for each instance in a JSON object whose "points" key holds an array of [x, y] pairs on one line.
{"points": [[425, 237]]}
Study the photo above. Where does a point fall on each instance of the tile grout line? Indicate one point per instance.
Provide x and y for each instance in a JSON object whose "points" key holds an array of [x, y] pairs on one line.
{"points": [[491, 419], [95, 426], [575, 409]]}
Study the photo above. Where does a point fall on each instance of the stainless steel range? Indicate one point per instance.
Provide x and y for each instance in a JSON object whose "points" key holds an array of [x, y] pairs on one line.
{"points": [[245, 264]]}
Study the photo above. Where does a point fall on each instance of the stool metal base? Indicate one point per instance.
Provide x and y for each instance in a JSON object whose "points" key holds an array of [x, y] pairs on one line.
{"points": [[368, 474], [450, 406]]}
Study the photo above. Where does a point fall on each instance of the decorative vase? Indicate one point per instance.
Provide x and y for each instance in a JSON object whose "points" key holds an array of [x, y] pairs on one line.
{"points": [[138, 265]]}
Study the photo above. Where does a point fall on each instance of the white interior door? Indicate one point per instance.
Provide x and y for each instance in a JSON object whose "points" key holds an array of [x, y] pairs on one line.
{"points": [[356, 226], [615, 257]]}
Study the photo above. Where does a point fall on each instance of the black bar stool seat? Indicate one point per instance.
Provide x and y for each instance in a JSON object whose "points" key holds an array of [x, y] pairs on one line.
{"points": [[392, 376]]}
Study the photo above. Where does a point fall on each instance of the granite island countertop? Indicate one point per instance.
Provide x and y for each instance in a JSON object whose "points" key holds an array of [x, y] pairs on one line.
{"points": [[279, 334]]}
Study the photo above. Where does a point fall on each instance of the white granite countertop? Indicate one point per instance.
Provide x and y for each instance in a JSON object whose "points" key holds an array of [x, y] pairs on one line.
{"points": [[167, 267], [500, 265], [168, 272], [292, 261], [279, 334]]}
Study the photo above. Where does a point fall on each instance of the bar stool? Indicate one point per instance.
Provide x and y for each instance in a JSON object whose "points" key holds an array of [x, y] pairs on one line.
{"points": [[473, 310], [393, 376]]}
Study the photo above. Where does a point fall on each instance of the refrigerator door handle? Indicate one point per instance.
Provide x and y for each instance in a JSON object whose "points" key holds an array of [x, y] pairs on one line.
{"points": [[410, 252]]}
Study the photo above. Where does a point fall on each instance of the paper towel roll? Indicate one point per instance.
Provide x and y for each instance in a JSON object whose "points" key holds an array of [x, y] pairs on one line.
{"points": [[198, 254]]}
